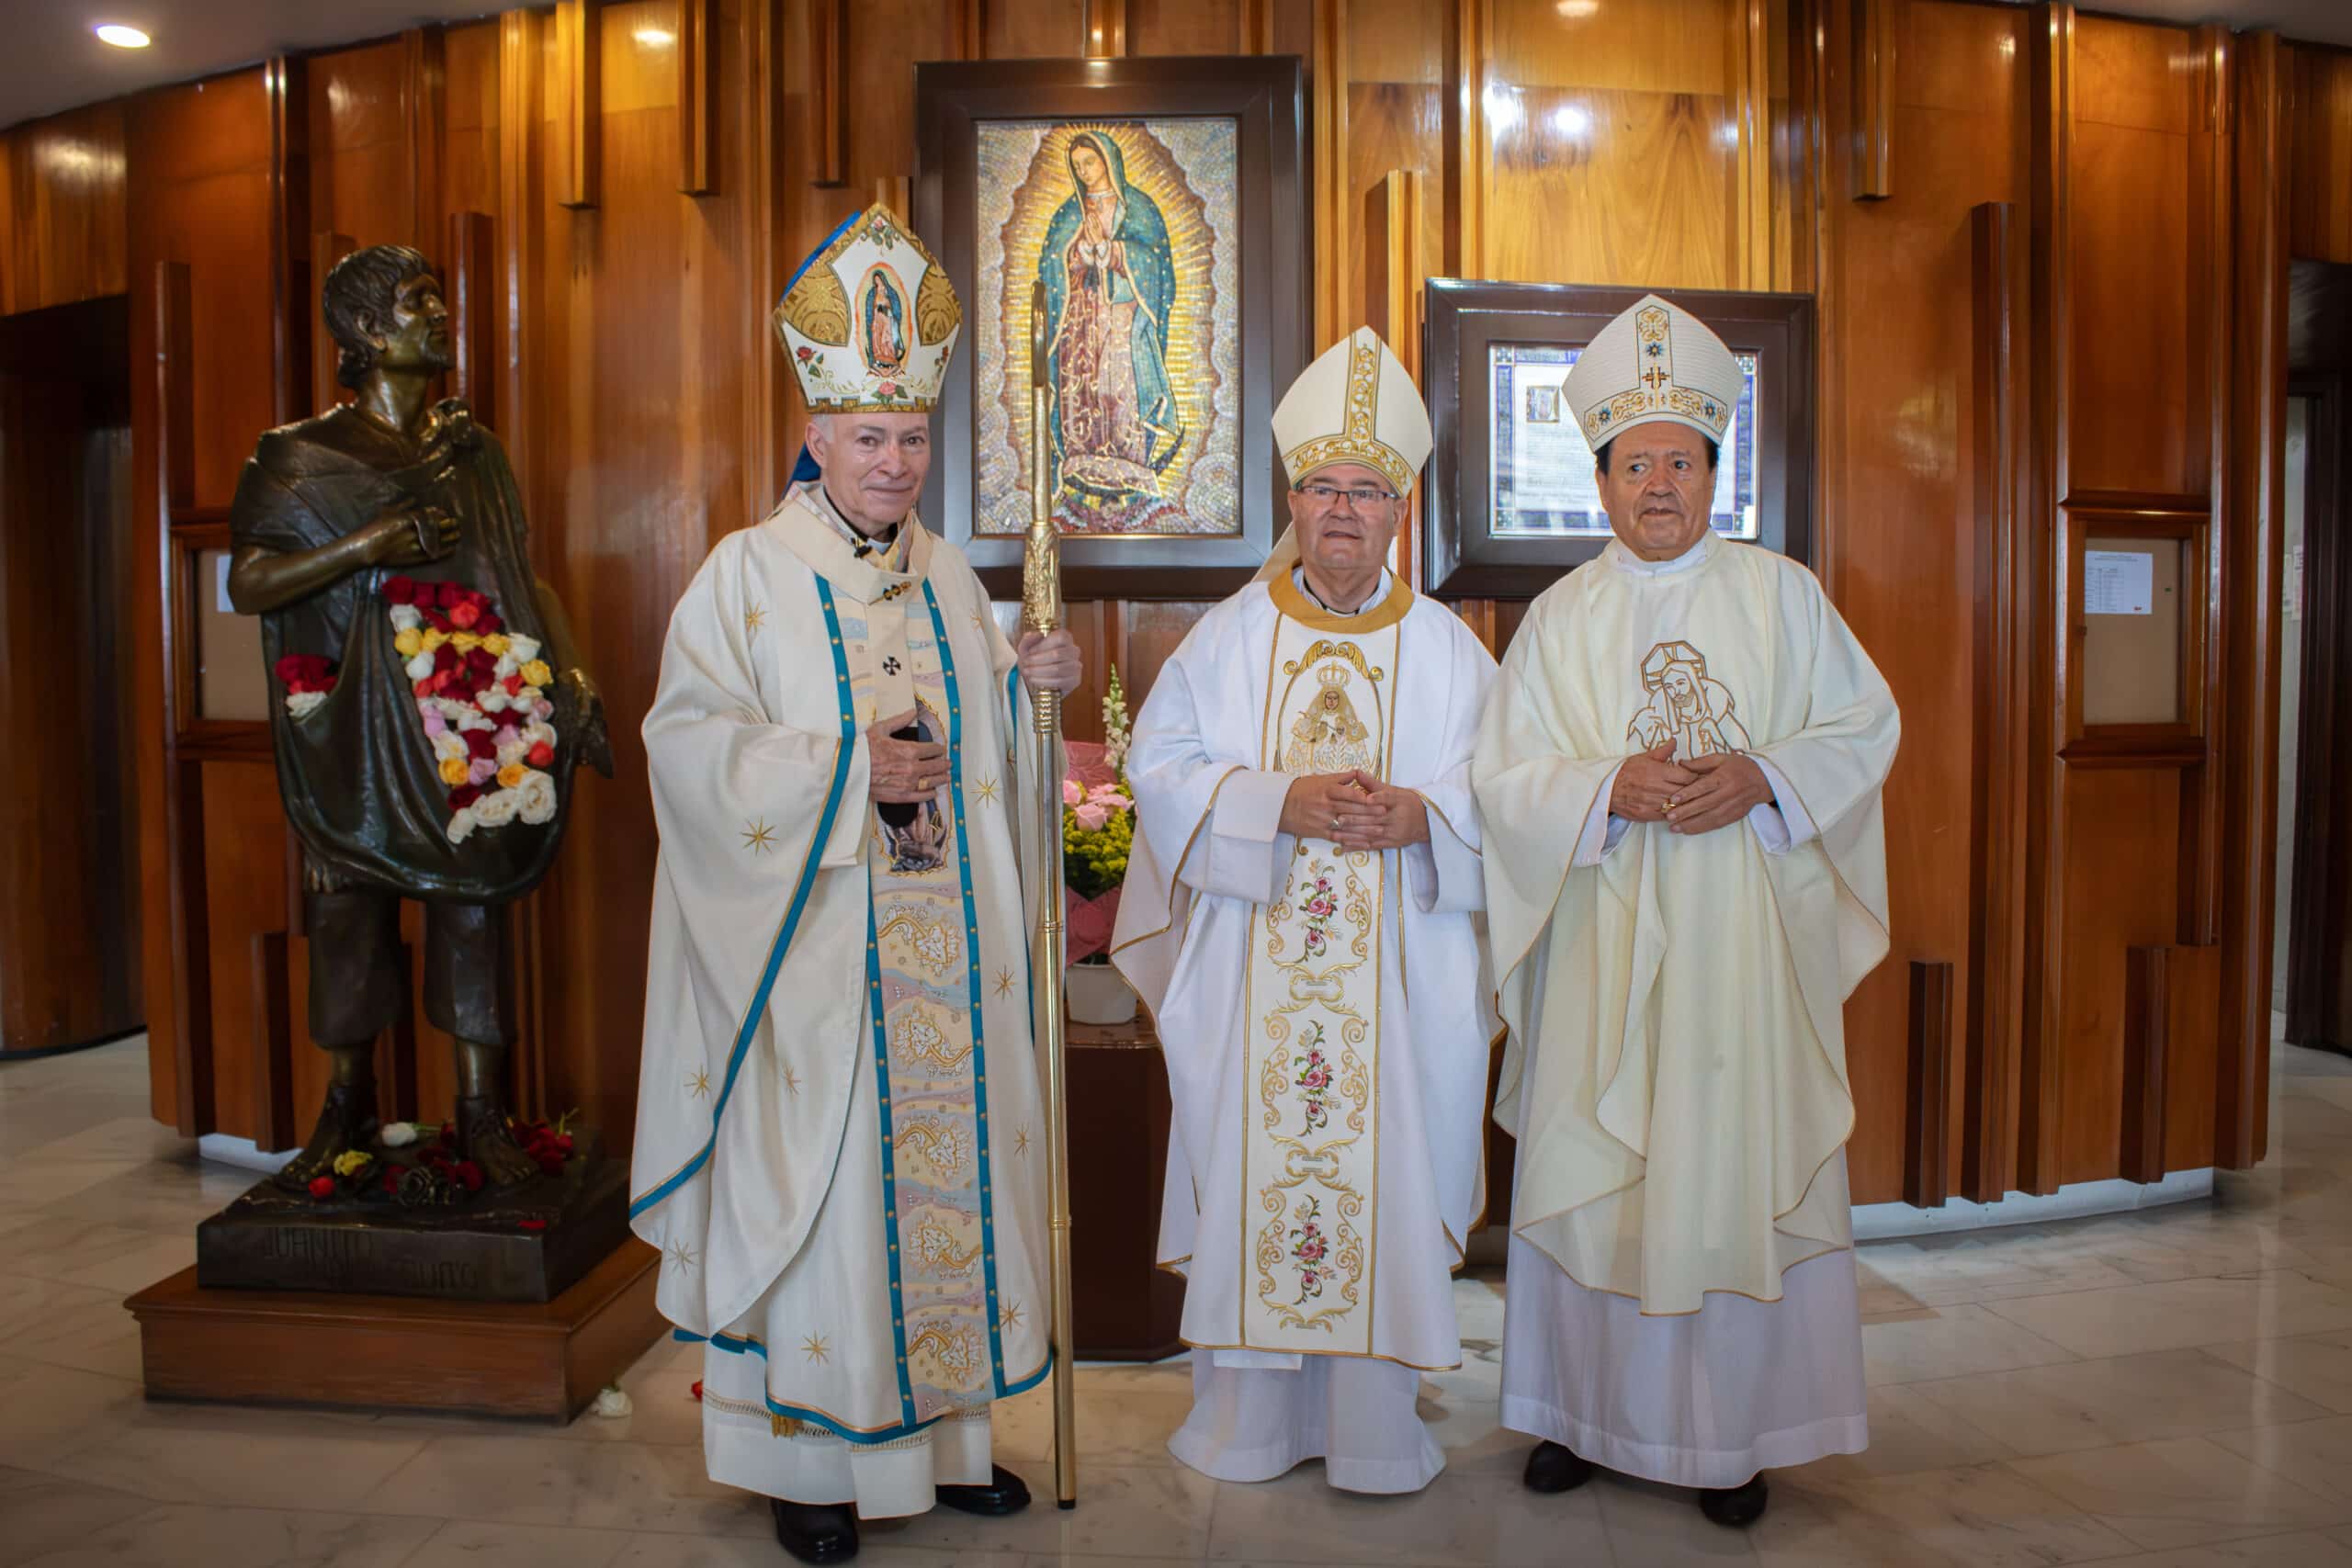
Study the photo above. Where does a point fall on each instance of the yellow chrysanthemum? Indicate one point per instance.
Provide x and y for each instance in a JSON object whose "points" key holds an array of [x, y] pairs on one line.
{"points": [[454, 770]]}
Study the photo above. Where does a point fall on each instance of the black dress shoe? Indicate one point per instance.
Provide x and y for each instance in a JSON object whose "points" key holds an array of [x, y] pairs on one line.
{"points": [[815, 1532], [1736, 1508], [1004, 1493], [1552, 1468]]}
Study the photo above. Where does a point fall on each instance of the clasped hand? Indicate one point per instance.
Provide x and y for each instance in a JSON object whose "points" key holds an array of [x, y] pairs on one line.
{"points": [[1697, 796], [903, 773], [1050, 661], [1355, 811]]}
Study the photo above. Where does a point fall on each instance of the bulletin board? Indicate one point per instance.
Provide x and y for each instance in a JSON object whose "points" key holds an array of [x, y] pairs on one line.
{"points": [[2135, 612]]}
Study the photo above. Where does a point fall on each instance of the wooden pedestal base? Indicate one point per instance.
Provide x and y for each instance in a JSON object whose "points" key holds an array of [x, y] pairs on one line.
{"points": [[540, 1361]]}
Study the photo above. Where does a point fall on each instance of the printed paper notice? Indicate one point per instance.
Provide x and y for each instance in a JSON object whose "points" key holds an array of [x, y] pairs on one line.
{"points": [[2118, 582]]}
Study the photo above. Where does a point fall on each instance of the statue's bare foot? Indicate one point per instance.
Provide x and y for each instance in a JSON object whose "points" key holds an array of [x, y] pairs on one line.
{"points": [[346, 1121], [483, 1138]]}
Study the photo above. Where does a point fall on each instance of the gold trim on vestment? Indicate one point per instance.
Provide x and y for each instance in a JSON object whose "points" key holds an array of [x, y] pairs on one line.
{"points": [[1207, 811], [1298, 607]]}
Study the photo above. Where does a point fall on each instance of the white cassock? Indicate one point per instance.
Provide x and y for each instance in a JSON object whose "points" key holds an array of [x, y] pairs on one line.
{"points": [[840, 1148], [1326, 1021], [1681, 1291]]}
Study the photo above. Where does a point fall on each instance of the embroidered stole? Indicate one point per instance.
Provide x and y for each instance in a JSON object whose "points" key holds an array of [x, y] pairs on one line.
{"points": [[1311, 1167]]}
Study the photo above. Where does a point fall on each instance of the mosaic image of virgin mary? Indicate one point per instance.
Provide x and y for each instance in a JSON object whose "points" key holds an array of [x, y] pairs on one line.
{"points": [[1110, 282]]}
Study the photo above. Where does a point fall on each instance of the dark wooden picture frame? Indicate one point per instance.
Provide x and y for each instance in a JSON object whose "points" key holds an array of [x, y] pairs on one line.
{"points": [[1464, 319], [1265, 96]]}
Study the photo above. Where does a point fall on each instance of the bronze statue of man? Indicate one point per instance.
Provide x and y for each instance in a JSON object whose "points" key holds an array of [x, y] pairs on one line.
{"points": [[430, 705]]}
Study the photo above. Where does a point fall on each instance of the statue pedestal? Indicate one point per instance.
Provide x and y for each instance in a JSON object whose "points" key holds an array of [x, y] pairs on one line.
{"points": [[541, 1361]]}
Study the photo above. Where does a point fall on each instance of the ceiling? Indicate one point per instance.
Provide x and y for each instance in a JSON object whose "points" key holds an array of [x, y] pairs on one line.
{"points": [[55, 61]]}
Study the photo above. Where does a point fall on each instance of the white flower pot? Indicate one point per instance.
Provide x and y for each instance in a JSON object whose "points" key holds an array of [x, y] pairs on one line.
{"points": [[1098, 995]]}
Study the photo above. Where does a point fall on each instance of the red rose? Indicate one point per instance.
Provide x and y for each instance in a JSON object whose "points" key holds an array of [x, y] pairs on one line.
{"points": [[465, 615], [512, 683], [446, 657], [478, 741], [698, 1380], [463, 796], [481, 660], [442, 678], [322, 1187], [563, 1142], [451, 595], [421, 688], [470, 1174], [532, 1224], [436, 620], [490, 624], [804, 351], [551, 1164], [288, 670], [541, 755], [400, 590]]}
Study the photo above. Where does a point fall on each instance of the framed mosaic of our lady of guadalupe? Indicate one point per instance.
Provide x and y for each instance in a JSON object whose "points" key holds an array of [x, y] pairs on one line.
{"points": [[1147, 196]]}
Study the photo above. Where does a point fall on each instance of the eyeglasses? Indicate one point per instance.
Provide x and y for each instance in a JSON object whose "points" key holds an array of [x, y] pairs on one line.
{"points": [[1361, 495]]}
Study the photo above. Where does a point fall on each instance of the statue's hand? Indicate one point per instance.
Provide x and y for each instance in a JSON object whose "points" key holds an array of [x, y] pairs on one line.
{"points": [[584, 719], [412, 537]]}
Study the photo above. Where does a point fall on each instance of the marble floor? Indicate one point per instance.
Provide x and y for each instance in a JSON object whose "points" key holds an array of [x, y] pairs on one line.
{"points": [[2167, 1390]]}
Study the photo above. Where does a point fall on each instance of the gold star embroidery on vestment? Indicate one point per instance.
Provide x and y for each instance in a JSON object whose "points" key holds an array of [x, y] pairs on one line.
{"points": [[987, 792], [817, 1349], [978, 624], [699, 1085], [1004, 982], [681, 1255], [1012, 1318], [1021, 1142], [791, 1081], [759, 838], [754, 619]]}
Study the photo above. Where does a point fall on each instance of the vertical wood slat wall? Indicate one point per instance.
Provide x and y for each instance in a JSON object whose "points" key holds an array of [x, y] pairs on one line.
{"points": [[627, 186]]}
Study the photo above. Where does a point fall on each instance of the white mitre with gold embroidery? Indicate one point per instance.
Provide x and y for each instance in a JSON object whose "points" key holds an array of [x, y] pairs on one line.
{"points": [[1655, 361], [1355, 404], [869, 321]]}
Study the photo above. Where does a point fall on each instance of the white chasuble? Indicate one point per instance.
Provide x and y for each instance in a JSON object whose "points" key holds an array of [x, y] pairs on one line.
{"points": [[1323, 1013], [839, 1145]]}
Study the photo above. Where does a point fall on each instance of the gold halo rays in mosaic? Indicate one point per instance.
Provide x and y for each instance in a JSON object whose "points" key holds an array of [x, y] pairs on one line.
{"points": [[1152, 169], [869, 322]]}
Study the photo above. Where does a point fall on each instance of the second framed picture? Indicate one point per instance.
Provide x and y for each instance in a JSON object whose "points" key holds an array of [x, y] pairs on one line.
{"points": [[1513, 501], [1161, 203]]}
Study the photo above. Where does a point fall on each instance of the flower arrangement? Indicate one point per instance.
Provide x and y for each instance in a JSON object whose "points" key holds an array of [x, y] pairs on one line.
{"points": [[481, 691], [307, 678], [1098, 830], [434, 1174]]}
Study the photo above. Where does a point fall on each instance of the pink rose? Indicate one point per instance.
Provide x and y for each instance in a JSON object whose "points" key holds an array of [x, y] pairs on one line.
{"points": [[1091, 815], [1071, 794], [484, 770], [1108, 797], [434, 723]]}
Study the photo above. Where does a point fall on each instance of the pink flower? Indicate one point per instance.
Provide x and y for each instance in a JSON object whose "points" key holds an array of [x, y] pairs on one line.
{"points": [[434, 723], [484, 769], [1071, 794], [1091, 815], [1109, 795]]}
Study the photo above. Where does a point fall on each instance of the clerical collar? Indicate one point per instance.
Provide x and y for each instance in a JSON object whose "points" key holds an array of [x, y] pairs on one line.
{"points": [[1696, 555], [1379, 593], [883, 546]]}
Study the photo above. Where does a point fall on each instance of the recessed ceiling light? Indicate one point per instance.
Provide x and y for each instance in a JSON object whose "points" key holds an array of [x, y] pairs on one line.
{"points": [[122, 37]]}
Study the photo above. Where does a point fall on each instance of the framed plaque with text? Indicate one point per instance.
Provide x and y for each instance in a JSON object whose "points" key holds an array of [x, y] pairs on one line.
{"points": [[1513, 500]]}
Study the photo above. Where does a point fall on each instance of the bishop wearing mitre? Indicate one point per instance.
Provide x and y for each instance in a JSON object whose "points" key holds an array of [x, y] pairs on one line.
{"points": [[1681, 774], [1299, 916], [839, 1145]]}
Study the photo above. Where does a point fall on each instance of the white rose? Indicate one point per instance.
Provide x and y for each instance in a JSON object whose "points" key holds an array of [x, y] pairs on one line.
{"points": [[398, 1134], [522, 648], [420, 667], [463, 823], [494, 701], [496, 809], [511, 753], [507, 665], [537, 796], [406, 618], [539, 732], [469, 718], [448, 744], [300, 703]]}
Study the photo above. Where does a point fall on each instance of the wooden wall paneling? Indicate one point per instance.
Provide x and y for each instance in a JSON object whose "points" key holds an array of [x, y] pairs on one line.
{"points": [[519, 188], [325, 389], [1925, 1183], [360, 122], [577, 83], [2321, 139], [283, 81], [1187, 27], [66, 223], [425, 76], [2002, 639], [971, 30], [1255, 27], [1395, 60], [469, 268], [1469, 168], [272, 1001], [2146, 988], [1327, 140], [699, 25], [830, 60], [1873, 40], [2249, 544], [1023, 30], [2170, 1013], [1392, 307], [768, 257], [1106, 28], [1750, 126]]}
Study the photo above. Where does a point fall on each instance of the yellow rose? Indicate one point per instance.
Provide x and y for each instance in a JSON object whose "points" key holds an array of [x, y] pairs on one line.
{"points": [[465, 642], [495, 645], [434, 638], [351, 1162], [455, 770], [537, 674], [511, 774], [409, 644]]}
